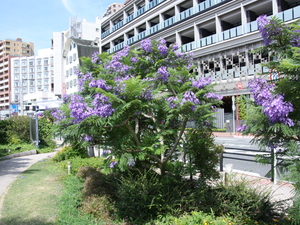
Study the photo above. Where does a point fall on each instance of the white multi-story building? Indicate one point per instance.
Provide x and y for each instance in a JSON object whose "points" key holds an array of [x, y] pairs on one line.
{"points": [[32, 80], [75, 49], [221, 34]]}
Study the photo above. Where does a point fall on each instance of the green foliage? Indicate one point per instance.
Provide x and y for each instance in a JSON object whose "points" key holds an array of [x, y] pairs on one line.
{"points": [[46, 132], [70, 202], [77, 163], [10, 148], [3, 131], [242, 107], [18, 129], [69, 153]]}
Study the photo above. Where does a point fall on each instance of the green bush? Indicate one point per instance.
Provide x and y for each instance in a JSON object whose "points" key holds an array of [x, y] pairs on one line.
{"points": [[69, 153], [18, 129], [3, 131]]}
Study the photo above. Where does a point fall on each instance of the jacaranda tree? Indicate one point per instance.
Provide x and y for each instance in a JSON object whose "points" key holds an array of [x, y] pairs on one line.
{"points": [[145, 108], [274, 116]]}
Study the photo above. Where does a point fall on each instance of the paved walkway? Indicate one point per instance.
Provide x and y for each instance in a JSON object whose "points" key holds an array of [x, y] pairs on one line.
{"points": [[11, 168]]}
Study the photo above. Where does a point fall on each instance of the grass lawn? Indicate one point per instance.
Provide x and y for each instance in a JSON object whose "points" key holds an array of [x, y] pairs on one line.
{"points": [[34, 197]]}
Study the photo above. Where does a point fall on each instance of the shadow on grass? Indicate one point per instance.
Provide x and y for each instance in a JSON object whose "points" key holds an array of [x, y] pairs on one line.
{"points": [[19, 221]]}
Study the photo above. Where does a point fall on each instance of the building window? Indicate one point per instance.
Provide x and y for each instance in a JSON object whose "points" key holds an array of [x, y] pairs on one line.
{"points": [[16, 83], [31, 83], [16, 77], [16, 63], [23, 63], [23, 70], [39, 75], [46, 82], [74, 56], [39, 69], [16, 70], [31, 90], [45, 68], [70, 59], [67, 73], [31, 76], [45, 61], [70, 71], [39, 62], [31, 63], [46, 74], [31, 70]]}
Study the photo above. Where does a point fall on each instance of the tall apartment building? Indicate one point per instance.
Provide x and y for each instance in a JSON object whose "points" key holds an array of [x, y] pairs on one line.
{"points": [[9, 49], [112, 9], [33, 80], [221, 34]]}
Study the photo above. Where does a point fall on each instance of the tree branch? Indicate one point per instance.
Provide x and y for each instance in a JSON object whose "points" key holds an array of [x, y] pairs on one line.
{"points": [[177, 140]]}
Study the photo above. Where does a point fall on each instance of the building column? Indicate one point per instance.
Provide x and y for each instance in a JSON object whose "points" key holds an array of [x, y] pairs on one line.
{"points": [[275, 7], [218, 27], [178, 38], [243, 17]]}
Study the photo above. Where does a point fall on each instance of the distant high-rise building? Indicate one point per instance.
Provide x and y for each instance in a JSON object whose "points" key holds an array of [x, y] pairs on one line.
{"points": [[9, 49], [113, 8]]}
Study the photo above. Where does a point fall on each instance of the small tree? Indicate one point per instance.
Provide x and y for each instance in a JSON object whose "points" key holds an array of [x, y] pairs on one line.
{"points": [[137, 105], [274, 115]]}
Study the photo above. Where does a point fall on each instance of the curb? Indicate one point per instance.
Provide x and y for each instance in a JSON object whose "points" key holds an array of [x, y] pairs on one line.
{"points": [[20, 154]]}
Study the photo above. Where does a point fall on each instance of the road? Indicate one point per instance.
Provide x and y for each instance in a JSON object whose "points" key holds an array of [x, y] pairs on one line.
{"points": [[243, 143]]}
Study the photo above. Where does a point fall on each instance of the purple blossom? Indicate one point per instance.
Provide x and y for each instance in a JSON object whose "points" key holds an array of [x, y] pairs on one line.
{"points": [[88, 138], [202, 82], [134, 59], [112, 164], [78, 109], [172, 102], [58, 114], [147, 94], [241, 128], [163, 49], [95, 57], [146, 45], [262, 23], [99, 84], [295, 38], [162, 41], [131, 162], [102, 106], [66, 98], [82, 78], [105, 152], [163, 71], [175, 46], [213, 96], [190, 96], [273, 105]]}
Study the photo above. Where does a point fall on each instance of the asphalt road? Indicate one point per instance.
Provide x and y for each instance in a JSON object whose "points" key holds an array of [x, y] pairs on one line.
{"points": [[241, 145]]}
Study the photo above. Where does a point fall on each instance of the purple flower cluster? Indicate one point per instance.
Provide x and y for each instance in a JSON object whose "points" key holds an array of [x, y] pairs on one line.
{"points": [[162, 48], [78, 109], [112, 164], [105, 152], [116, 64], [273, 105], [295, 38], [202, 82], [163, 72], [213, 96], [82, 78], [88, 138], [99, 84], [241, 128], [102, 106], [134, 60], [58, 114], [147, 94], [95, 57], [262, 23], [172, 102], [146, 45], [190, 96]]}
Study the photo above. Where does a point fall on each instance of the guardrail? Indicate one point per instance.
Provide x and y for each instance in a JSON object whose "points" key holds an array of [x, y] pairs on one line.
{"points": [[264, 153]]}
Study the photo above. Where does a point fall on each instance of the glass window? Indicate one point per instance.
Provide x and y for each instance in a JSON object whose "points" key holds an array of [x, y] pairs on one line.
{"points": [[67, 73], [23, 63], [45, 68], [16, 70], [45, 61], [31, 70], [23, 70], [46, 74], [39, 62], [70, 59], [31, 63], [16, 63], [46, 81]]}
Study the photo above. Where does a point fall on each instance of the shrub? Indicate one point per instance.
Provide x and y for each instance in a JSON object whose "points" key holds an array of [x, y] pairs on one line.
{"points": [[18, 129], [3, 131], [69, 153]]}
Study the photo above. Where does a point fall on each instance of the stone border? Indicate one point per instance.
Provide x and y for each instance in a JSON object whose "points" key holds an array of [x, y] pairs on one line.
{"points": [[20, 154]]}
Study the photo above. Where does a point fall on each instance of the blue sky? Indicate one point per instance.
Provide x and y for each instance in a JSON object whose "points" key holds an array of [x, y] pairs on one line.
{"points": [[36, 20]]}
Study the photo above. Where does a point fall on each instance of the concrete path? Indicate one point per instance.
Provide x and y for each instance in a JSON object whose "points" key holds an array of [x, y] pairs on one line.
{"points": [[11, 168]]}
